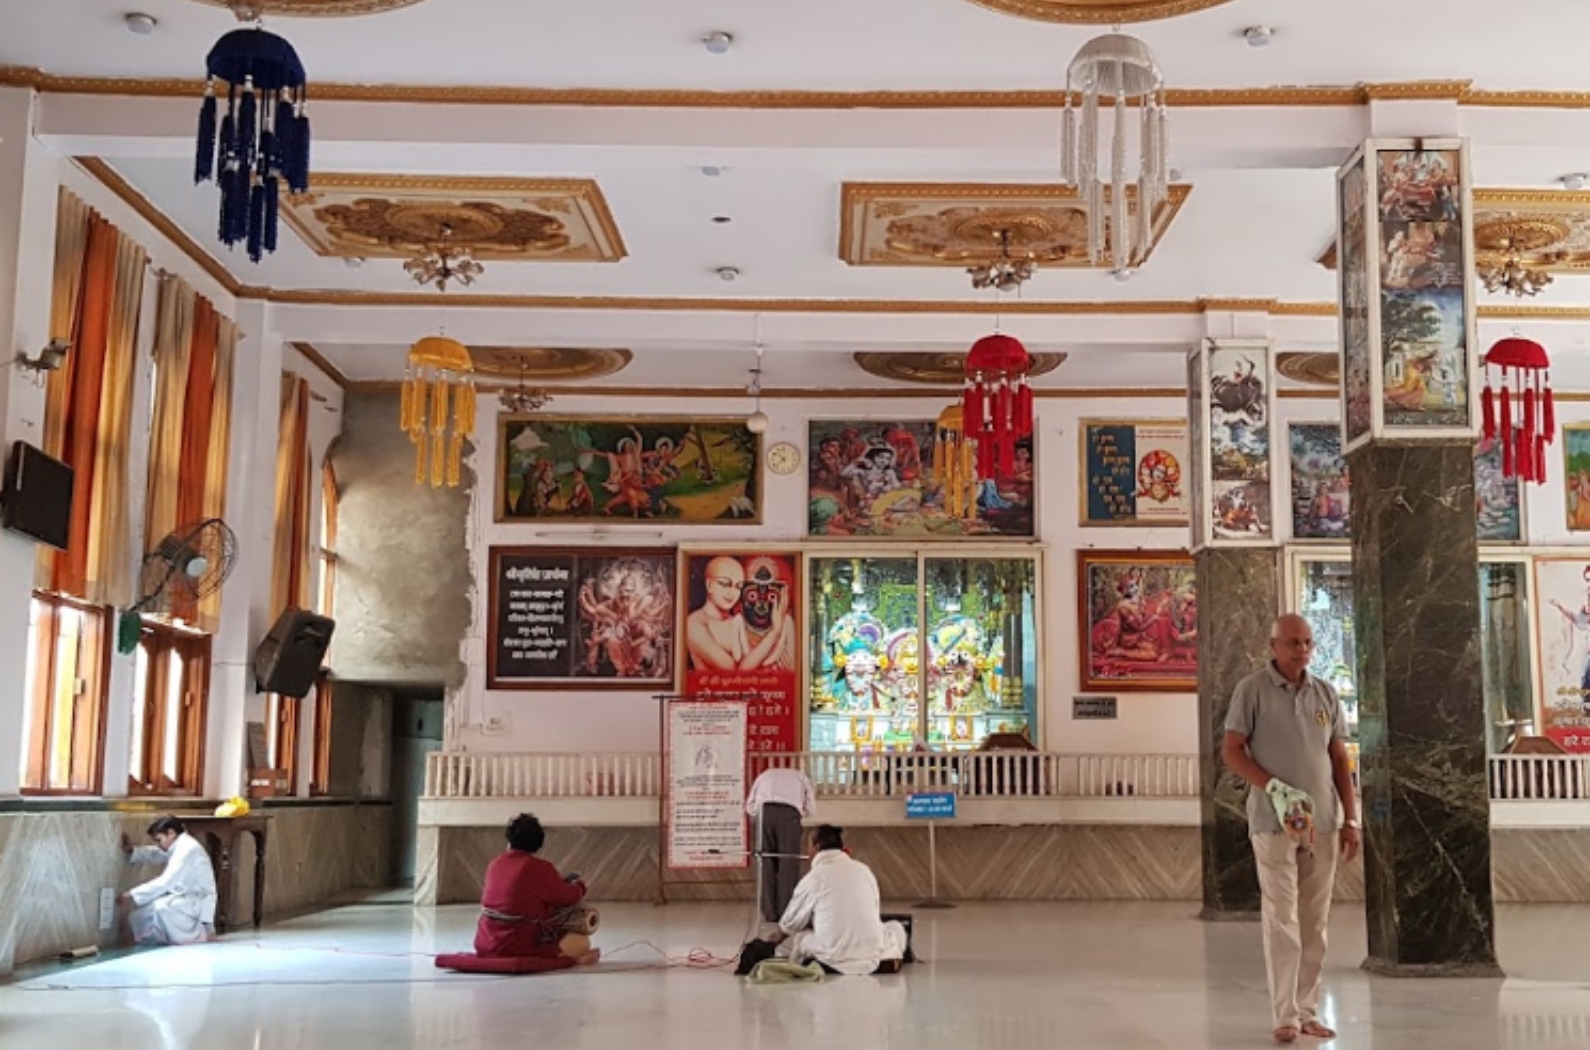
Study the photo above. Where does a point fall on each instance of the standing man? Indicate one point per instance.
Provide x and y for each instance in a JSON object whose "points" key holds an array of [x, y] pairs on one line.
{"points": [[1286, 735], [783, 798]]}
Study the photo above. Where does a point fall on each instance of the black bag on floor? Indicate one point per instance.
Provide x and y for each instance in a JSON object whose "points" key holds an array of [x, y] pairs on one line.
{"points": [[754, 952]]}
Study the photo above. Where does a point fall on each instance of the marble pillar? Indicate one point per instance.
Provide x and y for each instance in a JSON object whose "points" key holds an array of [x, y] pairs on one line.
{"points": [[1239, 594], [1421, 711]]}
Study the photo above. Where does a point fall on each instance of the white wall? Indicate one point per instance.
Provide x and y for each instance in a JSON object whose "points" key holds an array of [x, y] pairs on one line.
{"points": [[615, 721]]}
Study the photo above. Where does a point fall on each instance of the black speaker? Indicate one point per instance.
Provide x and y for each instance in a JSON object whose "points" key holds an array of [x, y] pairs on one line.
{"points": [[289, 658]]}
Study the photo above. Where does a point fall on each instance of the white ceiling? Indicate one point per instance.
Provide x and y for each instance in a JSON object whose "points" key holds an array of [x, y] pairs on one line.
{"points": [[1259, 213]]}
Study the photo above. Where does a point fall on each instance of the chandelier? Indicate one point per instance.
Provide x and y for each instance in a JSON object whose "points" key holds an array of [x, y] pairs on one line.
{"points": [[438, 389], [1116, 68], [443, 262], [1004, 273], [1509, 273], [520, 399]]}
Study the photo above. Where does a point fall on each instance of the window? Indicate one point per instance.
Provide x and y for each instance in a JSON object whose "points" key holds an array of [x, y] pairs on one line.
{"points": [[328, 539], [171, 687], [281, 737], [320, 778], [64, 686]]}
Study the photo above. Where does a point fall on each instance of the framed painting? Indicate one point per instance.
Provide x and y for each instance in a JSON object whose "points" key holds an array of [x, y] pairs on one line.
{"points": [[1138, 614], [1134, 472], [628, 470], [901, 479], [1320, 499], [1354, 274], [1499, 513], [1576, 475], [581, 618], [1562, 613], [1240, 407]]}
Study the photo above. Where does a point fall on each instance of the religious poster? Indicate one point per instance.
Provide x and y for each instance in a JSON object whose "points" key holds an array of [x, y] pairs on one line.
{"points": [[1576, 475], [897, 479], [588, 618], [741, 638], [1319, 482], [1353, 252], [1138, 611], [1239, 443], [620, 470], [707, 780], [1423, 289], [1499, 513], [1134, 472], [1562, 611], [1197, 449]]}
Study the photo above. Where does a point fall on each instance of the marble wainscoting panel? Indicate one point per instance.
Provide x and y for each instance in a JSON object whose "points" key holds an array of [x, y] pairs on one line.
{"points": [[1239, 591], [315, 854], [1422, 719], [1541, 865]]}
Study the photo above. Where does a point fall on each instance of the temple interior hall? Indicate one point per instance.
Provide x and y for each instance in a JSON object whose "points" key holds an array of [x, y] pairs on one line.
{"points": [[923, 523]]}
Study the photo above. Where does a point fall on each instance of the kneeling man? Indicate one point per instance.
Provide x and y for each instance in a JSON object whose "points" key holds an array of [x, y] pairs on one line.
{"points": [[178, 905], [834, 915]]}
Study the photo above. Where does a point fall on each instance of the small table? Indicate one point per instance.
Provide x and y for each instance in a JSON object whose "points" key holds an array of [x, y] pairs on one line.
{"points": [[219, 835]]}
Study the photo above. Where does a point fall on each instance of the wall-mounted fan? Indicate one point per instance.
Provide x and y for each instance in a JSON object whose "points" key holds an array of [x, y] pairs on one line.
{"points": [[190, 563]]}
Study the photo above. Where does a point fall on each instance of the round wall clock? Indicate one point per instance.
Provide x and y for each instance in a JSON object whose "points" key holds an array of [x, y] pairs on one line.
{"points": [[783, 458]]}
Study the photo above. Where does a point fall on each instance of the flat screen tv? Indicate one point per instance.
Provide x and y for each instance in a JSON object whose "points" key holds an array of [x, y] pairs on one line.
{"points": [[36, 499]]}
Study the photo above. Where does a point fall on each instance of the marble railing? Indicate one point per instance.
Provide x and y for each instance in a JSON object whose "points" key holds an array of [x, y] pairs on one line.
{"points": [[995, 774]]}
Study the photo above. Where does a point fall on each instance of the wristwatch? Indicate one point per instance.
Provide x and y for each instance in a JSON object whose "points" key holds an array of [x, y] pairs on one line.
{"points": [[1353, 824]]}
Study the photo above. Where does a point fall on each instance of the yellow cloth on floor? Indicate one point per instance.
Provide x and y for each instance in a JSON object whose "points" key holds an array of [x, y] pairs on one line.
{"points": [[782, 971]]}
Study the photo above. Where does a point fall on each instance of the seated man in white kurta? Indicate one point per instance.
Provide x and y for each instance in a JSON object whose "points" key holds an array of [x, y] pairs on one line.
{"points": [[178, 905], [834, 915]]}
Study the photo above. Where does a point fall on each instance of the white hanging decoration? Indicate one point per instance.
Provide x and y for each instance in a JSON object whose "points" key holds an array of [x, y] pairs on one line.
{"points": [[1116, 69]]}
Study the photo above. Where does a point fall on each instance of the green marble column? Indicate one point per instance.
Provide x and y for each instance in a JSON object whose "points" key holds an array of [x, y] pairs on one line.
{"points": [[1239, 595], [1421, 715]]}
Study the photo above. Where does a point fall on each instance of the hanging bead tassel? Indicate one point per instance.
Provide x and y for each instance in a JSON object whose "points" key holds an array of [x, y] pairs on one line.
{"points": [[1024, 408], [256, 221], [1505, 399], [405, 403], [1068, 143], [272, 211], [204, 155], [1120, 231], [1548, 412], [1488, 410]]}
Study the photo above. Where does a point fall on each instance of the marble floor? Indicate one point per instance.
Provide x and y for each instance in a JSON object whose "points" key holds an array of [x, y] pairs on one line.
{"points": [[1079, 976]]}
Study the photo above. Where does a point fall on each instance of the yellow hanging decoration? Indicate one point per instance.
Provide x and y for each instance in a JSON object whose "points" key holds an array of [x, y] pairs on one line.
{"points": [[955, 465], [440, 374]]}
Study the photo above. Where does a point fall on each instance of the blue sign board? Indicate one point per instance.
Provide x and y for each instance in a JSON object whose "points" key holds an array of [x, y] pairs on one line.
{"points": [[930, 805]]}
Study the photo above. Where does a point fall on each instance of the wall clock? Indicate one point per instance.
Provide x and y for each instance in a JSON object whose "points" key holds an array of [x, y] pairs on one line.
{"points": [[783, 458]]}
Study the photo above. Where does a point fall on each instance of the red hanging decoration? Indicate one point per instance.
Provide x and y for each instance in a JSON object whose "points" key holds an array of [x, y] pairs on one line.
{"points": [[1524, 366], [996, 404]]}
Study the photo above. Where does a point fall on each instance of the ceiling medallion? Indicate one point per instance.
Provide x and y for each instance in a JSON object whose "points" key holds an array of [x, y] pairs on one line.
{"points": [[445, 261], [249, 10], [1097, 12], [1510, 255], [549, 364], [1315, 368], [937, 368], [1003, 273]]}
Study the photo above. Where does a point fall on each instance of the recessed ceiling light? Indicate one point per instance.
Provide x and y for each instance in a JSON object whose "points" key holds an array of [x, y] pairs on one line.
{"points": [[140, 23], [1122, 274], [353, 262], [728, 273], [718, 42], [1575, 180], [711, 171], [1257, 36], [722, 220]]}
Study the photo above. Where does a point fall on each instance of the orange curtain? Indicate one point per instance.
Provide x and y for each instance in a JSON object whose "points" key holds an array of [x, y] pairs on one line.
{"points": [[173, 346], [290, 565], [219, 448]]}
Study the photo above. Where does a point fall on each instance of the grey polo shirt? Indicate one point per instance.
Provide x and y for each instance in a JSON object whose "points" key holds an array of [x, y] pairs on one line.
{"points": [[1289, 733]]}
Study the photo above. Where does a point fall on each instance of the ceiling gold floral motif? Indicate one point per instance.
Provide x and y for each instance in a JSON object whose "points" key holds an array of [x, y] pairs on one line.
{"points": [[398, 216], [1097, 12], [1316, 368], [1550, 229], [311, 8], [538, 364], [959, 224], [936, 368]]}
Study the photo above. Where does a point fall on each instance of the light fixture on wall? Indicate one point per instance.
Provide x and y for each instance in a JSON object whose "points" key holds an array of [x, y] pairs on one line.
{"points": [[1004, 273], [50, 359], [757, 422], [443, 262], [521, 399]]}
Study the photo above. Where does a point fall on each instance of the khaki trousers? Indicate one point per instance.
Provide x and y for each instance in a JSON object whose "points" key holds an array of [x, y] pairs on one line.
{"points": [[1295, 887]]}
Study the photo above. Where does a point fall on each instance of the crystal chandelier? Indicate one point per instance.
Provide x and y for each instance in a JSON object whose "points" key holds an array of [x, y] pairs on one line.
{"points": [[1508, 273], [443, 263], [1119, 68], [1004, 273], [520, 399]]}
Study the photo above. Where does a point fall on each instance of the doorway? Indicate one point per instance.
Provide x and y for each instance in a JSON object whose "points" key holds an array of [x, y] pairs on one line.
{"points": [[416, 732]]}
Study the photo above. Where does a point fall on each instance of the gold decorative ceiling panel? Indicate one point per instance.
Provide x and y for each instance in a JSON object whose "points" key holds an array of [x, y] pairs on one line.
{"points": [[539, 364], [941, 368], [959, 224], [1316, 368], [1097, 12], [399, 216], [328, 8], [1550, 229]]}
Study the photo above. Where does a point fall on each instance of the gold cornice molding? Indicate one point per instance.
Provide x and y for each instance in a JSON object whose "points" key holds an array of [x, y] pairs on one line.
{"points": [[1419, 90], [392, 386], [689, 98], [1097, 12], [112, 180], [319, 8]]}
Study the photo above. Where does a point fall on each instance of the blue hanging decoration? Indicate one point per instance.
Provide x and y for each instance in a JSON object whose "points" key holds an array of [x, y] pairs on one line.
{"points": [[261, 143]]}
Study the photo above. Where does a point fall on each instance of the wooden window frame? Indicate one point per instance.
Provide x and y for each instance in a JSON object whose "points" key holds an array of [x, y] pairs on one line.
{"points": [[194, 647], [328, 540], [284, 709], [87, 772], [320, 776]]}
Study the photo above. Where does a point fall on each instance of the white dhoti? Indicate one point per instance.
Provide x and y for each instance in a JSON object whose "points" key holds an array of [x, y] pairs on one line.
{"points": [[170, 920], [809, 944]]}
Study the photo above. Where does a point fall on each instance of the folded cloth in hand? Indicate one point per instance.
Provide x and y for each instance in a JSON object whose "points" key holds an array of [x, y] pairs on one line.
{"points": [[1295, 809]]}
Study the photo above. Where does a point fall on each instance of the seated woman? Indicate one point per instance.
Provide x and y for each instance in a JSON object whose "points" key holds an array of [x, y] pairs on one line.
{"points": [[178, 905], [524, 908]]}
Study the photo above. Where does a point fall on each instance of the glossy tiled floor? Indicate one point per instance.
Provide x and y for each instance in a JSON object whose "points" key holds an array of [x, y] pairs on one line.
{"points": [[1076, 976]]}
